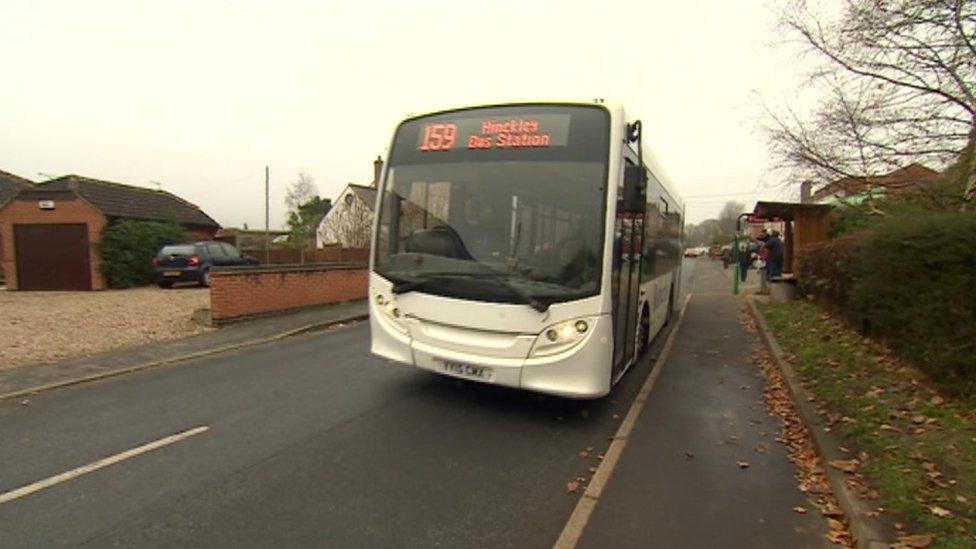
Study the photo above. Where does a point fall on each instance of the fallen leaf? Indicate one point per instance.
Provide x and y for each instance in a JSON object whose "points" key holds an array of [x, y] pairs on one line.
{"points": [[799, 509], [831, 511], [584, 454], [940, 512], [592, 470], [743, 464], [847, 466], [899, 526], [689, 455], [572, 486], [923, 540], [962, 499]]}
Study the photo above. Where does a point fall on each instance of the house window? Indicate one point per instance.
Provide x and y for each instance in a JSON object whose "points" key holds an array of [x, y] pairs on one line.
{"points": [[348, 199]]}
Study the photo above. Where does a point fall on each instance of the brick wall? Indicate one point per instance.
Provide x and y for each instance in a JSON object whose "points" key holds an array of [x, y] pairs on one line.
{"points": [[65, 211], [237, 293]]}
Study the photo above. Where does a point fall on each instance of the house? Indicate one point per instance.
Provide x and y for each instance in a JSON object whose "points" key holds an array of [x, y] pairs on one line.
{"points": [[10, 185], [49, 232], [914, 178], [350, 221]]}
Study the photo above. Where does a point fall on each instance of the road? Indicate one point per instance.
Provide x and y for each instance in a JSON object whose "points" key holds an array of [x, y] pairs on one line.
{"points": [[310, 441]]}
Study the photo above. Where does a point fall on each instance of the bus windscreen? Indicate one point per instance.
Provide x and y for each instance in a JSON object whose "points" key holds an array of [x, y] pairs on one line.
{"points": [[501, 203]]}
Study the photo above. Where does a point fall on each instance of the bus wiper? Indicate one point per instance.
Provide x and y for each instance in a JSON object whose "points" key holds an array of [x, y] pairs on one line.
{"points": [[402, 285], [503, 279]]}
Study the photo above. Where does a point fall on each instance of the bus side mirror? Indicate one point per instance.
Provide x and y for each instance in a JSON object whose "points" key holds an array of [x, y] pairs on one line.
{"points": [[635, 190]]}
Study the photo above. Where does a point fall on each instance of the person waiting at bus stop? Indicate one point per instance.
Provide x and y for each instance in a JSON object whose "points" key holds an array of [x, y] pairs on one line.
{"points": [[763, 262], [774, 266], [745, 259]]}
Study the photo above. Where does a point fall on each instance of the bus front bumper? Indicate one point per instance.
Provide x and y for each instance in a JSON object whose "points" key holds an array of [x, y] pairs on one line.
{"points": [[582, 371]]}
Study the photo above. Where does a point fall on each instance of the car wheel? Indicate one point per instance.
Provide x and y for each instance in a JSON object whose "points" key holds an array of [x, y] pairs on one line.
{"points": [[205, 278]]}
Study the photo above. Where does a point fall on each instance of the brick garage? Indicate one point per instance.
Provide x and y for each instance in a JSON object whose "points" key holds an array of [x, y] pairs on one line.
{"points": [[23, 212], [240, 293], [58, 224]]}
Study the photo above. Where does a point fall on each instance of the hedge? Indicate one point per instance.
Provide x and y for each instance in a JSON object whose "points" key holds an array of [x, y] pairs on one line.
{"points": [[126, 250], [910, 280]]}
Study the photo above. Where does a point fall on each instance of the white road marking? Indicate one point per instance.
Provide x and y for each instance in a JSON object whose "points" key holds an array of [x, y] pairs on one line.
{"points": [[96, 465], [573, 530]]}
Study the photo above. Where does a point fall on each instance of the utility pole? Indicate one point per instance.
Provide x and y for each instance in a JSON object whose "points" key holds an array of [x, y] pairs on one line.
{"points": [[267, 209]]}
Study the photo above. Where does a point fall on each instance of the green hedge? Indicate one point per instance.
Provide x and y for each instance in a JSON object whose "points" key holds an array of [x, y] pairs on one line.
{"points": [[126, 250], [911, 280]]}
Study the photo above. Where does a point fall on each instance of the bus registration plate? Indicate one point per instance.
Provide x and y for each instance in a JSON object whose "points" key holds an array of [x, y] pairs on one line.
{"points": [[467, 370]]}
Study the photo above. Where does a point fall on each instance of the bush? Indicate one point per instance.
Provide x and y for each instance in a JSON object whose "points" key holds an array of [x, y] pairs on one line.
{"points": [[911, 280], [828, 270], [917, 289], [126, 250]]}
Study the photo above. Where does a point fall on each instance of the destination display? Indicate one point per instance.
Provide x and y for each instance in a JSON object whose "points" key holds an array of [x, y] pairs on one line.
{"points": [[529, 132]]}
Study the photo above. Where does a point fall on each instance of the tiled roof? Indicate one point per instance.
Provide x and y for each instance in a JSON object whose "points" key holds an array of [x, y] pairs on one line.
{"points": [[366, 194], [909, 176], [10, 185], [118, 200]]}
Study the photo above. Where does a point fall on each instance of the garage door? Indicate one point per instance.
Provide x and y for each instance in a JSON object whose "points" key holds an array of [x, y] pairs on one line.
{"points": [[52, 257]]}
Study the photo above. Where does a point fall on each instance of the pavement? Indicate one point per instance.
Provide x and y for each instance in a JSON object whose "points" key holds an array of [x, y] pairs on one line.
{"points": [[23, 380], [678, 482], [308, 440]]}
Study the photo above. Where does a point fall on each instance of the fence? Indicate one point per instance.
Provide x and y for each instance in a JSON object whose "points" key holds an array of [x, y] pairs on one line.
{"points": [[295, 256]]}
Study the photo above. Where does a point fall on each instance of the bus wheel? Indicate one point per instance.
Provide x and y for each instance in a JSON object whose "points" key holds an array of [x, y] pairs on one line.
{"points": [[643, 332]]}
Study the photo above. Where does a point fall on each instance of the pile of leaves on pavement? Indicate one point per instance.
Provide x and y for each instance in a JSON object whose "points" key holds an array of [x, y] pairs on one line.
{"points": [[912, 449], [801, 452]]}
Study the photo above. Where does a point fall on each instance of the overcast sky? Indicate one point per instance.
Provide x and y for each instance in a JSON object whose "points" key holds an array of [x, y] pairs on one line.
{"points": [[200, 95]]}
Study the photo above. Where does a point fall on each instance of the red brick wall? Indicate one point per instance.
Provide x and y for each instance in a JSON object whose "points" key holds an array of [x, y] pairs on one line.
{"points": [[65, 211], [241, 293]]}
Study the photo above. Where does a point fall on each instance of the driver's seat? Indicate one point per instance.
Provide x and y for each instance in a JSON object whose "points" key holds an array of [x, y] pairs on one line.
{"points": [[439, 240]]}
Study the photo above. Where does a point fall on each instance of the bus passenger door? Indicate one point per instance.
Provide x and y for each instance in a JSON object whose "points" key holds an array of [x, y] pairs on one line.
{"points": [[625, 288]]}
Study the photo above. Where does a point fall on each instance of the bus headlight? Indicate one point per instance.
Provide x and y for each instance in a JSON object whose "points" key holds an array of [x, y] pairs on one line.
{"points": [[560, 337], [390, 312]]}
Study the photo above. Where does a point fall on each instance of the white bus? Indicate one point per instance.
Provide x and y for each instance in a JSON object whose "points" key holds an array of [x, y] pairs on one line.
{"points": [[522, 245]]}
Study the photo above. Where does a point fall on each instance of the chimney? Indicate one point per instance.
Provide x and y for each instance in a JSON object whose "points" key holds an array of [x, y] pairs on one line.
{"points": [[377, 170], [805, 195]]}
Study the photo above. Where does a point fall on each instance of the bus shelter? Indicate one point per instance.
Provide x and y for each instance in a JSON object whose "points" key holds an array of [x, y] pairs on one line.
{"points": [[802, 224]]}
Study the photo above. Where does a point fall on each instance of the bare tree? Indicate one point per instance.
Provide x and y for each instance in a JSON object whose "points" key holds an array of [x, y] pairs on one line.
{"points": [[899, 78], [729, 217], [301, 191], [349, 225]]}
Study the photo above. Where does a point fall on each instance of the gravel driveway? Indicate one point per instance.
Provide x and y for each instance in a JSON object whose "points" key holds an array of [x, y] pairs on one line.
{"points": [[51, 326]]}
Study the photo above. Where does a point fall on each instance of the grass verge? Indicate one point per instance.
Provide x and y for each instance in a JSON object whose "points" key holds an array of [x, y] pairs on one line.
{"points": [[912, 449]]}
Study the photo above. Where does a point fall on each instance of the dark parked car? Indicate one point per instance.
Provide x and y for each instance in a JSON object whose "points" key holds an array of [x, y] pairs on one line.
{"points": [[192, 262]]}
